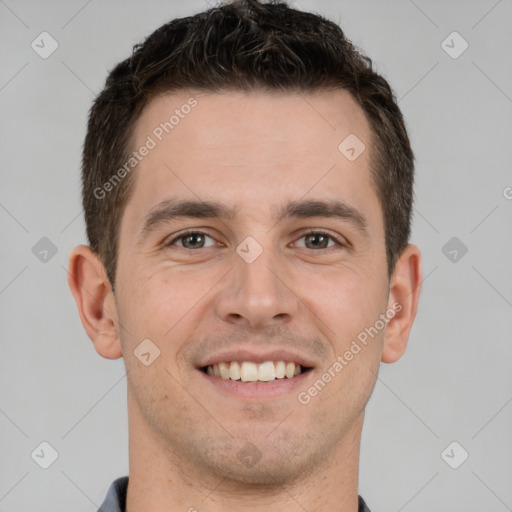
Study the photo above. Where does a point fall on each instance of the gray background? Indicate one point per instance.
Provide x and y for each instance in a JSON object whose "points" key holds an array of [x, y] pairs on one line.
{"points": [[453, 384]]}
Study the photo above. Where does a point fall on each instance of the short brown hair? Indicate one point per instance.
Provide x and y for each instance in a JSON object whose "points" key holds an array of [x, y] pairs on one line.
{"points": [[242, 45]]}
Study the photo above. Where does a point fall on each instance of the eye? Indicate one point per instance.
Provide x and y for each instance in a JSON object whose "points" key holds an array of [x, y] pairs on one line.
{"points": [[197, 240], [319, 240], [191, 240]]}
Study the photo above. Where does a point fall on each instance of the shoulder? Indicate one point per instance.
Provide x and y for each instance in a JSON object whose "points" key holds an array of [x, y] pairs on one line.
{"points": [[363, 507], [115, 499]]}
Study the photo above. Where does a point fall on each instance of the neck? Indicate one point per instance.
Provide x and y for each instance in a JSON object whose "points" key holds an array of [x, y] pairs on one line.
{"points": [[160, 480]]}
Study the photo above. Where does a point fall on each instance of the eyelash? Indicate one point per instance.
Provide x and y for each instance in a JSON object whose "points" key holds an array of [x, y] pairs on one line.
{"points": [[187, 232]]}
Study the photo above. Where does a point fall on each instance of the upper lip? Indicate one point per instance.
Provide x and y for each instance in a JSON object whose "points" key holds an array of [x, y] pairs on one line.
{"points": [[258, 356]]}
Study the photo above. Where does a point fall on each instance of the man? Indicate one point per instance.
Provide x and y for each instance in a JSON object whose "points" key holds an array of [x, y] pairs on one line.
{"points": [[247, 188]]}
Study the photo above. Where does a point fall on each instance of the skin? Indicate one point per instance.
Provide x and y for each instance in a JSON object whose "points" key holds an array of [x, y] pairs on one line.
{"points": [[252, 151]]}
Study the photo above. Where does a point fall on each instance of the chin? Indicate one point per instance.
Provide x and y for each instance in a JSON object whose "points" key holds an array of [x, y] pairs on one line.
{"points": [[268, 463], [267, 474]]}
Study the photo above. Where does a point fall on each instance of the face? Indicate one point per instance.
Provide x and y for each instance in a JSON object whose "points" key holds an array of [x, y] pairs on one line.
{"points": [[282, 260]]}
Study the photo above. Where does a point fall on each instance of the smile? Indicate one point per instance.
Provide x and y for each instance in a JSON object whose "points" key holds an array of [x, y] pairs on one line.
{"points": [[248, 371]]}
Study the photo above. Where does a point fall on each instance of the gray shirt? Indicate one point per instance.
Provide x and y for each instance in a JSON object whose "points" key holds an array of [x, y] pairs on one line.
{"points": [[116, 497]]}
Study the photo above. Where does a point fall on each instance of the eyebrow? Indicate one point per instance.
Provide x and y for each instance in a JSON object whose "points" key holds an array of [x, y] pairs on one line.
{"points": [[170, 210]]}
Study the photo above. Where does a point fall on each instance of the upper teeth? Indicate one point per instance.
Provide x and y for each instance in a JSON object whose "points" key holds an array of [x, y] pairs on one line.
{"points": [[248, 371]]}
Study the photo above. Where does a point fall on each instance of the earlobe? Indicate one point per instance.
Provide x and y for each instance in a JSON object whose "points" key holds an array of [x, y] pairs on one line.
{"points": [[96, 305], [403, 300]]}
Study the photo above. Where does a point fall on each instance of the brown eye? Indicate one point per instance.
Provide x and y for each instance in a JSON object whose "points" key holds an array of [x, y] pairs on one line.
{"points": [[318, 240], [192, 240]]}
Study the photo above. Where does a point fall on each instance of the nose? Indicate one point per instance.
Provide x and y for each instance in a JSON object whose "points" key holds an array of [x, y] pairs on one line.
{"points": [[257, 294]]}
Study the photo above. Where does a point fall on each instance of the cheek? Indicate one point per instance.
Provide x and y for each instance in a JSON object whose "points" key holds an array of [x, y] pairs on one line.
{"points": [[347, 301], [350, 305], [161, 304]]}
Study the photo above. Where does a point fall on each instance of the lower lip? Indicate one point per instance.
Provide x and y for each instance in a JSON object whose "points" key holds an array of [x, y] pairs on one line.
{"points": [[260, 390]]}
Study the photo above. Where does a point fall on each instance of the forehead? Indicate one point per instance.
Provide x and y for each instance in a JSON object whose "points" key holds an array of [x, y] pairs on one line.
{"points": [[252, 150]]}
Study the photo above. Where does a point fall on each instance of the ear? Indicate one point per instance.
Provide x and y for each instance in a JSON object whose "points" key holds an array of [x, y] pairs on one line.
{"points": [[404, 292], [91, 289]]}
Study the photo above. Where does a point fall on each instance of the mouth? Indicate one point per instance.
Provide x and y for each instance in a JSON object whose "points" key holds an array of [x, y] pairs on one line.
{"points": [[248, 372], [248, 380]]}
